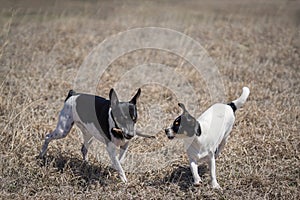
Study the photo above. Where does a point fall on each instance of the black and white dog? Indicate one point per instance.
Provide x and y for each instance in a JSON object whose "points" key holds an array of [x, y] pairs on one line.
{"points": [[206, 136], [109, 121]]}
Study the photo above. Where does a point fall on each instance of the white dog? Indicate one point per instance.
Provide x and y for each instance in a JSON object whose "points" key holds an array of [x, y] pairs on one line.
{"points": [[207, 135]]}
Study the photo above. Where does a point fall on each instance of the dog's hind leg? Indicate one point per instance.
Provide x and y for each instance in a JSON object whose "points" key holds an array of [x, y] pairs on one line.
{"points": [[220, 147], [87, 141], [223, 142], [64, 125], [212, 167]]}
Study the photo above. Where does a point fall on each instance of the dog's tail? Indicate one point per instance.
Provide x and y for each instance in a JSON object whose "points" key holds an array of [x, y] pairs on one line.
{"points": [[239, 102], [71, 93]]}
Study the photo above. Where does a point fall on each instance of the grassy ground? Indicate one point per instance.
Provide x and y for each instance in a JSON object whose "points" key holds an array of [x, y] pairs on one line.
{"points": [[42, 46]]}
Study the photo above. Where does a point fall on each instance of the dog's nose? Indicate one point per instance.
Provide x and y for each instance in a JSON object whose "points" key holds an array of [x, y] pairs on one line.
{"points": [[171, 137]]}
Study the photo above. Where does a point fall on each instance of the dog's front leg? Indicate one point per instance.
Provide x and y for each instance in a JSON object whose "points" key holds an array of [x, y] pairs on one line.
{"points": [[111, 149], [123, 151], [212, 166], [194, 169]]}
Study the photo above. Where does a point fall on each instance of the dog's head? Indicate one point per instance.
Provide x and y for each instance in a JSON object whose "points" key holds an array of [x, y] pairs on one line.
{"points": [[124, 115], [183, 126]]}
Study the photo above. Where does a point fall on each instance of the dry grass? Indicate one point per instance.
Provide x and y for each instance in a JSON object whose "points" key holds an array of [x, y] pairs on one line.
{"points": [[42, 46]]}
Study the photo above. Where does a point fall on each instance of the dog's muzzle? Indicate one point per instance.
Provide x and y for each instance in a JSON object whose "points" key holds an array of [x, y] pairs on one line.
{"points": [[128, 134], [128, 137], [169, 133], [122, 133]]}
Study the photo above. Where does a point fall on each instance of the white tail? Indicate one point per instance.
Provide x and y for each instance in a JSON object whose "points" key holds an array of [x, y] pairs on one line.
{"points": [[239, 102]]}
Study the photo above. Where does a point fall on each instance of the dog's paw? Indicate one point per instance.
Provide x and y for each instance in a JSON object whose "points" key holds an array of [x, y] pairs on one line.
{"points": [[113, 167], [197, 184], [215, 185], [41, 157], [124, 179], [122, 161]]}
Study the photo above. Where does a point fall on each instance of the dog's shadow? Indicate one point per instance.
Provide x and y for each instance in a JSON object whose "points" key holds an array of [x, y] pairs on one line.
{"points": [[86, 173], [181, 176]]}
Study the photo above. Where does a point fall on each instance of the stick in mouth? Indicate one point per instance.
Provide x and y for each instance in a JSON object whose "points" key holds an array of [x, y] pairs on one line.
{"points": [[117, 131]]}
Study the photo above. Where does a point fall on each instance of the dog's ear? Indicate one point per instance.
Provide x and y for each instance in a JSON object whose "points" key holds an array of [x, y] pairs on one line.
{"points": [[113, 97], [181, 105], [136, 96], [198, 131]]}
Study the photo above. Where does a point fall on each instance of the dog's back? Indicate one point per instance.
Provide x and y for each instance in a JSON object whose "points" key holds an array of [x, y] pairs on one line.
{"points": [[215, 122]]}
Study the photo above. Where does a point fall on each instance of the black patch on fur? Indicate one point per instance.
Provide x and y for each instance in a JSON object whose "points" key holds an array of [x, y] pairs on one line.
{"points": [[176, 124], [232, 106], [94, 109], [136, 96], [198, 133], [71, 93], [216, 151]]}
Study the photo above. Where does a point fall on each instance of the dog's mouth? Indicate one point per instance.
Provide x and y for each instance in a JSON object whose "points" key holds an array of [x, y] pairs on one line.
{"points": [[128, 137], [171, 137], [169, 133]]}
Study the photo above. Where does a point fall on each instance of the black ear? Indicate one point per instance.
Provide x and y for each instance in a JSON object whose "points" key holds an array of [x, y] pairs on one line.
{"points": [[198, 131], [136, 96], [181, 105], [113, 97]]}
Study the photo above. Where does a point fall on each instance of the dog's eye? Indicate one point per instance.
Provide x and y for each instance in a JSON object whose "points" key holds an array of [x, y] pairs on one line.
{"points": [[177, 121]]}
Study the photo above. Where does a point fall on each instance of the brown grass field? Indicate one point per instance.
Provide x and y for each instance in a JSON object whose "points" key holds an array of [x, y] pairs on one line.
{"points": [[253, 43]]}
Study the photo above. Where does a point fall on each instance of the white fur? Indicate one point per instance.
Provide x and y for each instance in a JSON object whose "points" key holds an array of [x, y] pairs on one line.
{"points": [[216, 124], [242, 99]]}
